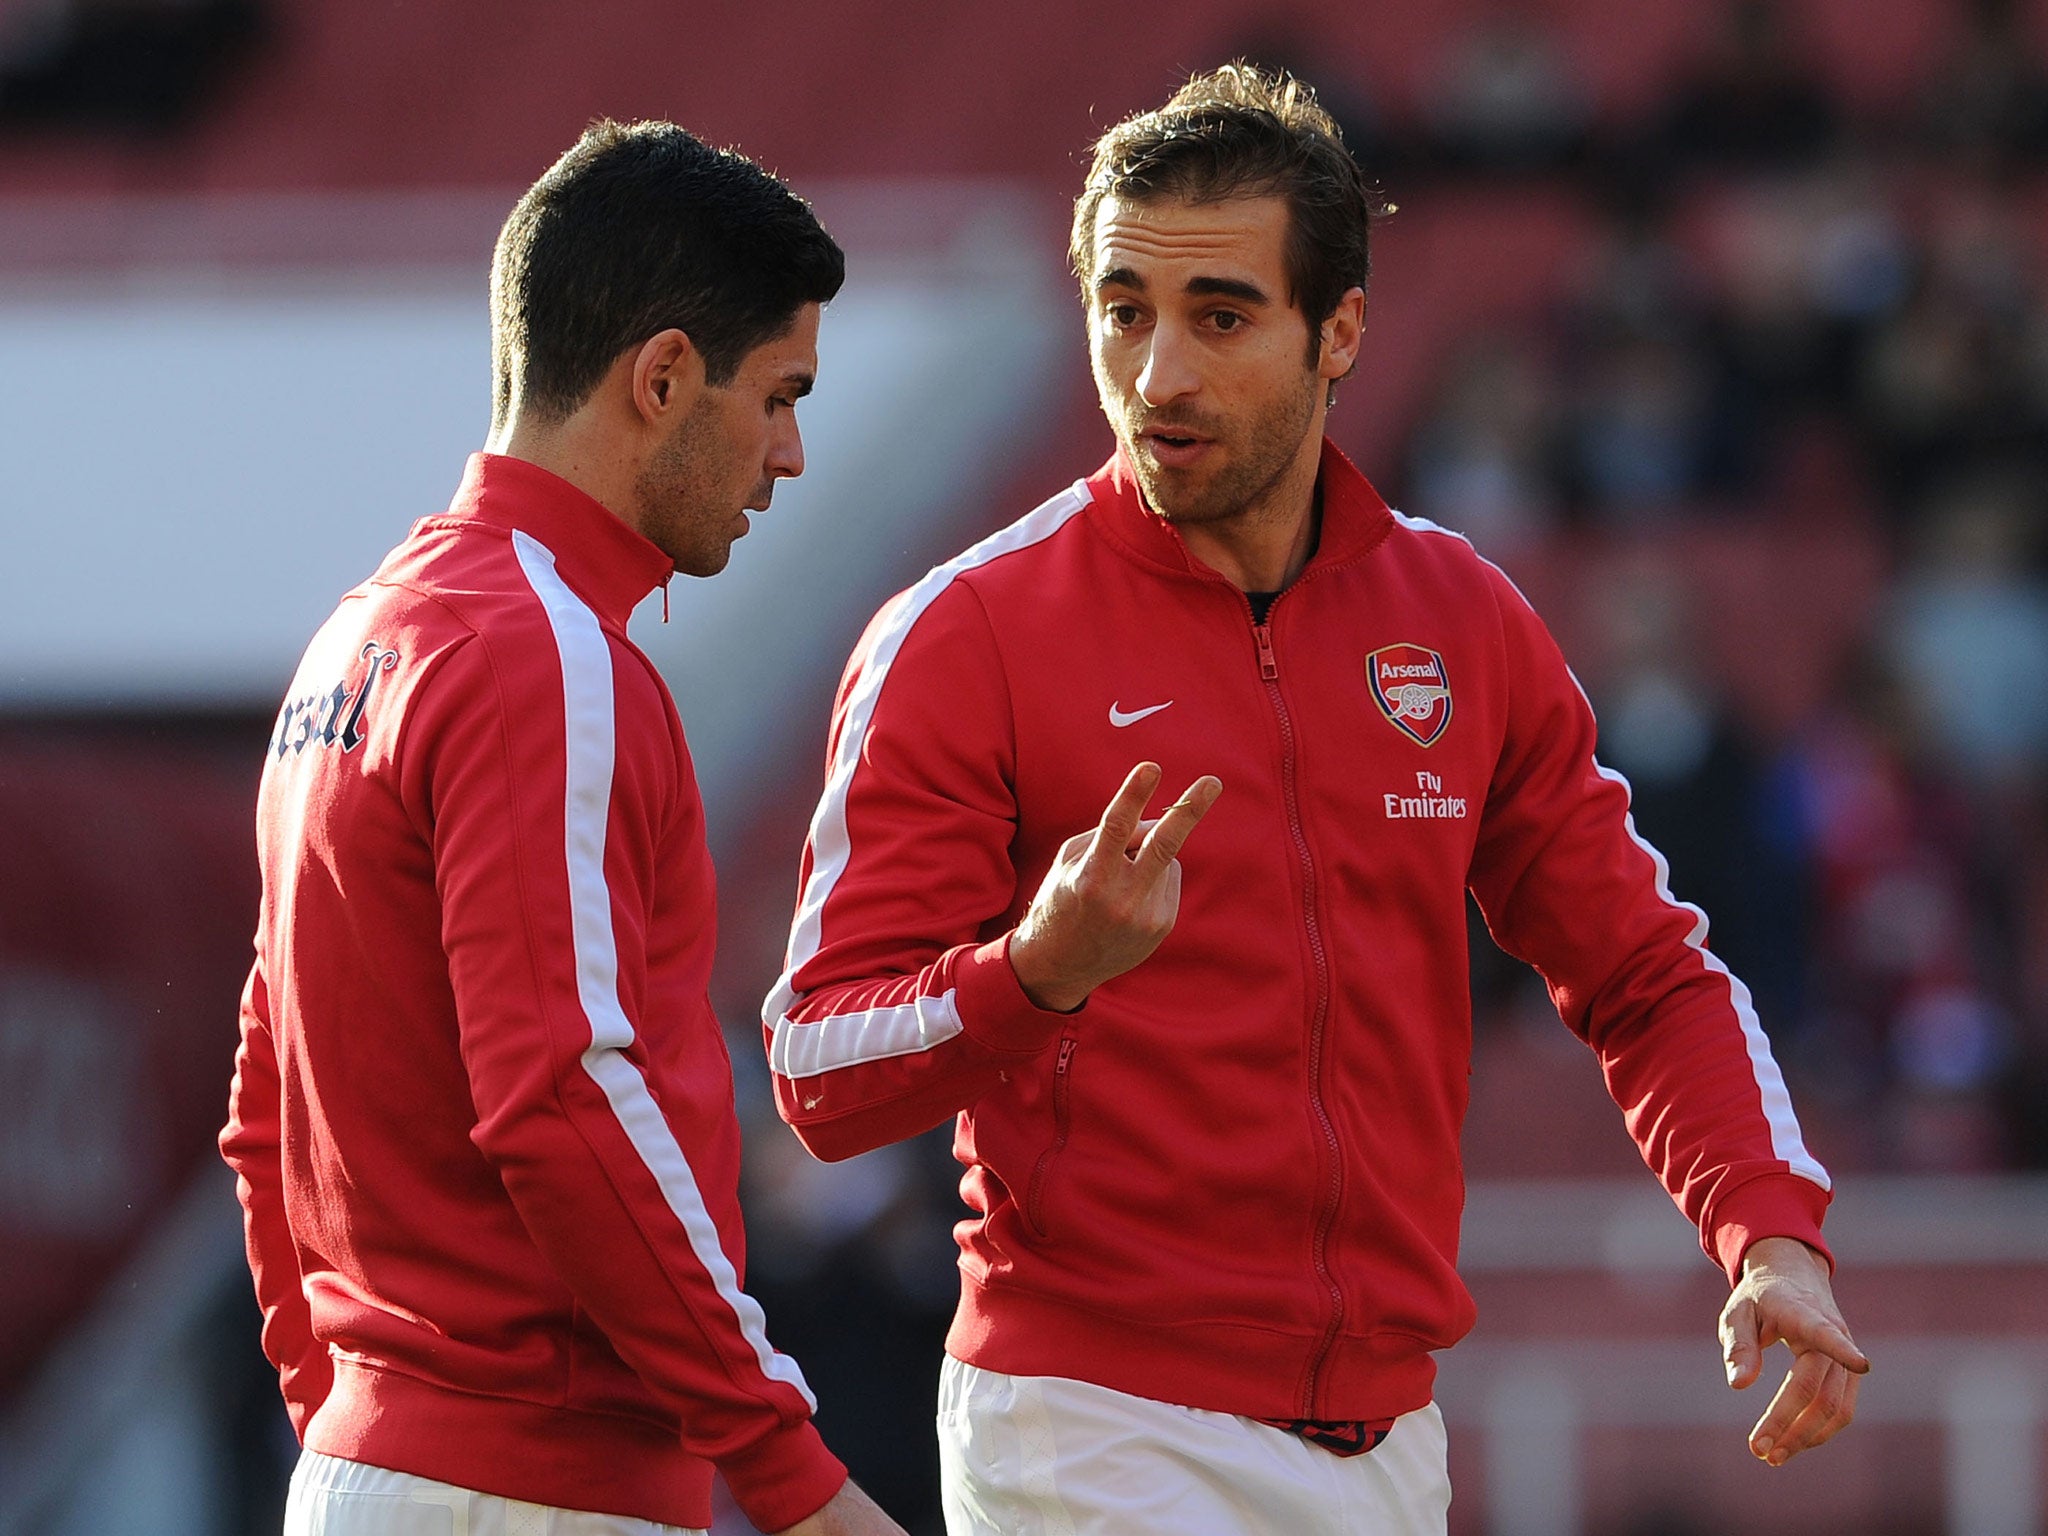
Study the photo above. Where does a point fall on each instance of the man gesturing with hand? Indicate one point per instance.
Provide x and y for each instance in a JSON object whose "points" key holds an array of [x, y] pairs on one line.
{"points": [[1209, 1080], [1110, 896]]}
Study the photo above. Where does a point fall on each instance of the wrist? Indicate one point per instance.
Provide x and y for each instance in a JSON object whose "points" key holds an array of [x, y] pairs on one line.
{"points": [[1041, 984], [1774, 1206], [1781, 1254]]}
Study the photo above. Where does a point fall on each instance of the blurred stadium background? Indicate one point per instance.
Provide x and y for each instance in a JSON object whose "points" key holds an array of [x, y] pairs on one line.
{"points": [[1722, 326]]}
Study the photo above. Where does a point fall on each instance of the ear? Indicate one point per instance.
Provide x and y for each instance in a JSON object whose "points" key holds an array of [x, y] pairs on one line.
{"points": [[1340, 336], [667, 375]]}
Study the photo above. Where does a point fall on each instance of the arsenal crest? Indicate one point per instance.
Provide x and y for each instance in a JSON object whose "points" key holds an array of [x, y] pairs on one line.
{"points": [[1412, 689]]}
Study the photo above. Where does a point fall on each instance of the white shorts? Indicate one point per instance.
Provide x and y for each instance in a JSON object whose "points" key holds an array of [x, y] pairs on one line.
{"points": [[333, 1497], [1045, 1456]]}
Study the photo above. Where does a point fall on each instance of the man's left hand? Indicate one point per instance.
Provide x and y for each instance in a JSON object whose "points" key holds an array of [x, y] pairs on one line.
{"points": [[1784, 1294]]}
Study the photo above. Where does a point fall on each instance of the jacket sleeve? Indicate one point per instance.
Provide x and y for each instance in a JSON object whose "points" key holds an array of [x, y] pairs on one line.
{"points": [[1566, 884], [250, 1143], [542, 787], [898, 1006]]}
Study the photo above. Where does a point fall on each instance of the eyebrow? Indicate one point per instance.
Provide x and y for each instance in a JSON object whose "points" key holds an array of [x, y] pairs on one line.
{"points": [[1200, 287], [1228, 288]]}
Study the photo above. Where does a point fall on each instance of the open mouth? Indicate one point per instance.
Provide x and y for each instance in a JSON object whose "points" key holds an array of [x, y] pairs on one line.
{"points": [[1174, 448]]}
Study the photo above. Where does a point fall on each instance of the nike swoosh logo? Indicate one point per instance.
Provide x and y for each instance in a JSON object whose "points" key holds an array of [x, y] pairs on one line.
{"points": [[1119, 719]]}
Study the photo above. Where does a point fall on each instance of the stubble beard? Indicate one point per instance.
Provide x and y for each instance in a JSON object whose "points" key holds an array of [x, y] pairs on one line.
{"points": [[676, 492], [1249, 473]]}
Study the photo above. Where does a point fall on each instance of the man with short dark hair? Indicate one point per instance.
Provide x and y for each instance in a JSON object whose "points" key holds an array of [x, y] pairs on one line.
{"points": [[482, 1113], [1211, 1132]]}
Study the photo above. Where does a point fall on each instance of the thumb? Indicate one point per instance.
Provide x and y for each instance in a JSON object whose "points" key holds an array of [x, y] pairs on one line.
{"points": [[1742, 1355]]}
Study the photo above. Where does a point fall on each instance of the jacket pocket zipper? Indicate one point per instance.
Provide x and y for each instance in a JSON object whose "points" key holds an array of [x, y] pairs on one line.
{"points": [[1062, 1072]]}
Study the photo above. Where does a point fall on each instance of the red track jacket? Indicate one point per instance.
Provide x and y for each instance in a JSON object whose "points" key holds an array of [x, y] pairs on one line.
{"points": [[1232, 1180], [482, 1113]]}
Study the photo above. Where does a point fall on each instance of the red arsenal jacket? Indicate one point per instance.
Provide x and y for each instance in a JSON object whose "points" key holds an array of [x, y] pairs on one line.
{"points": [[1232, 1179], [482, 1114]]}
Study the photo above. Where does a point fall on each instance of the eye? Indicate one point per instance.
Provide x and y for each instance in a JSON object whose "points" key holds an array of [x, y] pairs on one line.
{"points": [[1226, 320], [1120, 316]]}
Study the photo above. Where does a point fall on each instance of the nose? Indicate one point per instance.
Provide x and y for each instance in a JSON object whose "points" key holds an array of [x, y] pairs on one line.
{"points": [[786, 448], [1169, 370]]}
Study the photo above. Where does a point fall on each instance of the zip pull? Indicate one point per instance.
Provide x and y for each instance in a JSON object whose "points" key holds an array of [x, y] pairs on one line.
{"points": [[664, 602], [1059, 1067], [1269, 669]]}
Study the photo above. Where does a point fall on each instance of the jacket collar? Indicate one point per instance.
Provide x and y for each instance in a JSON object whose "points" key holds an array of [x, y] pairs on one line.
{"points": [[608, 564], [1355, 519]]}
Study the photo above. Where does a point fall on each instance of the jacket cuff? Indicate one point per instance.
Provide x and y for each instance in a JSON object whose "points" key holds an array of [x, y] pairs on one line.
{"points": [[1778, 1205], [993, 1008], [783, 1477]]}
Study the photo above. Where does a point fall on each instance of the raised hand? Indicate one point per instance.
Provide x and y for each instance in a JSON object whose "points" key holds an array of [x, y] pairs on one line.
{"points": [[1784, 1294], [1110, 897]]}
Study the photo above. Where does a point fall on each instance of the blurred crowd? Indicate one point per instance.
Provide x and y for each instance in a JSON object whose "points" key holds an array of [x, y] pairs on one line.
{"points": [[1781, 445], [1825, 323]]}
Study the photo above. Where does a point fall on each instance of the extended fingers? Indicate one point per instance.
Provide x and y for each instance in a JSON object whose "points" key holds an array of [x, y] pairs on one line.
{"points": [[1816, 1400], [1795, 1393], [1163, 843], [1120, 819], [1832, 1410], [1138, 836]]}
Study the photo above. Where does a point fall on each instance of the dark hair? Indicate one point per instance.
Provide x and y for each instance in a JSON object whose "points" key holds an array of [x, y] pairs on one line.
{"points": [[1243, 131], [641, 227]]}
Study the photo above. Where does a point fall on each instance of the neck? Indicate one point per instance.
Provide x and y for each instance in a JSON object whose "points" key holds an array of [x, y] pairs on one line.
{"points": [[1263, 547], [570, 450]]}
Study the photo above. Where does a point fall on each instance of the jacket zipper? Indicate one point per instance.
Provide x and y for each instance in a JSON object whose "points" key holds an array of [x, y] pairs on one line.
{"points": [[1034, 1200], [1269, 671]]}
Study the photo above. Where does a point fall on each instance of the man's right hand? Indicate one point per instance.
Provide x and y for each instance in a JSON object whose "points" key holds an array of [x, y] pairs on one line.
{"points": [[1110, 897], [849, 1512]]}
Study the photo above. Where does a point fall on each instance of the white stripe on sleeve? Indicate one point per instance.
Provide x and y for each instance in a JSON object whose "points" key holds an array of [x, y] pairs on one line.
{"points": [[845, 1040], [874, 1034], [587, 703], [1787, 1144]]}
